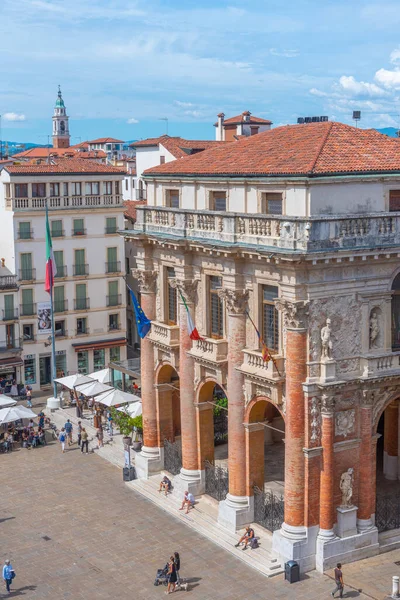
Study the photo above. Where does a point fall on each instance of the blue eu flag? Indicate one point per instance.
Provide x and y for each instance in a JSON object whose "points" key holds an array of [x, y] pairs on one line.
{"points": [[142, 322]]}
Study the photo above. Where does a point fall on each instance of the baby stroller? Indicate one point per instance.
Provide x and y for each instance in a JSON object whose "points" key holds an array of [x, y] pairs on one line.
{"points": [[162, 576]]}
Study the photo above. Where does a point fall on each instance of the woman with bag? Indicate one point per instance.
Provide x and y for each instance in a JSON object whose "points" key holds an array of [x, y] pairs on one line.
{"points": [[171, 576], [8, 574]]}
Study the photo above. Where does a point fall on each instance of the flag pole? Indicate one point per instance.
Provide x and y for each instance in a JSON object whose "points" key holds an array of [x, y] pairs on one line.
{"points": [[53, 337]]}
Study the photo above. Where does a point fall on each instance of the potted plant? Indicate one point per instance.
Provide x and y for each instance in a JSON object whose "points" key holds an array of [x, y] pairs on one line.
{"points": [[125, 425], [138, 428]]}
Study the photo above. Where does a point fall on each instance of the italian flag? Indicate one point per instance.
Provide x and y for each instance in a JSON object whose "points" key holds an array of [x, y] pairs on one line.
{"points": [[192, 329], [51, 269]]}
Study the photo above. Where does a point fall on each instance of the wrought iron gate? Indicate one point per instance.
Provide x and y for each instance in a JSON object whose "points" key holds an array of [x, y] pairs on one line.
{"points": [[172, 457], [217, 481], [387, 514], [268, 509]]}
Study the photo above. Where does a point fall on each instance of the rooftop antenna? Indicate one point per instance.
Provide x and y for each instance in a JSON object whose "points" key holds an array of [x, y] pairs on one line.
{"points": [[166, 121], [356, 116]]}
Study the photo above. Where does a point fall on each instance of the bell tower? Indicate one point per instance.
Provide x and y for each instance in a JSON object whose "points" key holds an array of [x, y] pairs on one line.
{"points": [[61, 137]]}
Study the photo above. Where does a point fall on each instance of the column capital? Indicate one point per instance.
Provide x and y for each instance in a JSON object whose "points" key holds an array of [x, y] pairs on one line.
{"points": [[146, 279], [187, 287], [327, 405], [236, 300], [367, 398], [295, 314]]}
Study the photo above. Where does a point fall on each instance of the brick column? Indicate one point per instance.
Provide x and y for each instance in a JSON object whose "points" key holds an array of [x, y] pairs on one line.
{"points": [[366, 489], [150, 458], [390, 441], [237, 509], [326, 512], [313, 456]]}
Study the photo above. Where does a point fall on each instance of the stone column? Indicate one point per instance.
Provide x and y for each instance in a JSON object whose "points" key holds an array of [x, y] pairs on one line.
{"points": [[150, 460], [326, 511], [390, 441], [290, 540], [238, 508], [366, 491], [192, 476]]}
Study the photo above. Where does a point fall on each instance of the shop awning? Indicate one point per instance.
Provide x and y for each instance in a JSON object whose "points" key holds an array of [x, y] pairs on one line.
{"points": [[98, 344], [10, 362]]}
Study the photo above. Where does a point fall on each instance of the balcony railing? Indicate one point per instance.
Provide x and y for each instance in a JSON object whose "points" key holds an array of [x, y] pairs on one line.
{"points": [[210, 349], [309, 234], [254, 364], [60, 306], [20, 204], [85, 331], [114, 327], [113, 267], [59, 333], [61, 271], [112, 229], [141, 194], [8, 282], [57, 233], [80, 270], [10, 344], [165, 334], [76, 232], [27, 310], [10, 314], [81, 303], [114, 300], [25, 235], [27, 274]]}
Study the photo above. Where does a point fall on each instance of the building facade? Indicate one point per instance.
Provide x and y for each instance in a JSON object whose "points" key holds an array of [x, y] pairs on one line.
{"points": [[10, 333], [85, 214], [293, 237], [228, 130]]}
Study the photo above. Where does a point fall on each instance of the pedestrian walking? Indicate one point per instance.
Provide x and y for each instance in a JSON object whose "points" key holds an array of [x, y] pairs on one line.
{"points": [[8, 575], [68, 429], [99, 435], [171, 576], [41, 419], [79, 433], [29, 397], [177, 566], [85, 440], [339, 581], [62, 438]]}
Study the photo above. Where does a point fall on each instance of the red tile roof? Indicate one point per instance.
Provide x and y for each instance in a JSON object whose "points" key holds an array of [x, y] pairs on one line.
{"points": [[130, 206], [72, 166], [312, 149], [106, 141], [241, 119], [33, 153], [177, 146]]}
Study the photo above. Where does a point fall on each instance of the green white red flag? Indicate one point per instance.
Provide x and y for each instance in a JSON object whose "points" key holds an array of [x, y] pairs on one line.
{"points": [[192, 329], [51, 269]]}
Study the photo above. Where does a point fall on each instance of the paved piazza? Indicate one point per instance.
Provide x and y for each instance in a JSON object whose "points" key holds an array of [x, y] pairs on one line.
{"points": [[107, 542]]}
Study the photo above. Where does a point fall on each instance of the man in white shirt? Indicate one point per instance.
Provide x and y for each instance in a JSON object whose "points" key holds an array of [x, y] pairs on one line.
{"points": [[188, 501]]}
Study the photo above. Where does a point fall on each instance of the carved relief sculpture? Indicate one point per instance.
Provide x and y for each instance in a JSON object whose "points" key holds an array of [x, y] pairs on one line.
{"points": [[326, 341], [294, 313], [315, 420], [373, 330], [346, 487], [236, 300], [344, 422]]}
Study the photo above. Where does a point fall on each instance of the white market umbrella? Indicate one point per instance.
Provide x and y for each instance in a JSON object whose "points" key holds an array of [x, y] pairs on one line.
{"points": [[94, 388], [115, 397], [134, 409], [15, 413], [73, 380], [104, 376], [6, 401]]}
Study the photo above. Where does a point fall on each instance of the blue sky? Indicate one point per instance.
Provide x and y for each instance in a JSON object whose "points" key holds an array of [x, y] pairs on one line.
{"points": [[124, 64]]}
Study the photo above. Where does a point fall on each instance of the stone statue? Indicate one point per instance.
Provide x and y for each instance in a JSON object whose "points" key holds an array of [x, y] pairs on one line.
{"points": [[346, 487], [373, 330], [326, 341]]}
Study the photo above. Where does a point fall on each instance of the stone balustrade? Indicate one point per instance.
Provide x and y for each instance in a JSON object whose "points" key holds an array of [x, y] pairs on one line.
{"points": [[209, 349], [168, 335], [291, 233], [60, 202], [378, 364], [254, 364]]}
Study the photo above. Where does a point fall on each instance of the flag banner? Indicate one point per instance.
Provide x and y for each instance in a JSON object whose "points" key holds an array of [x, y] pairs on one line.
{"points": [[192, 329], [142, 322], [51, 269], [265, 351], [44, 318]]}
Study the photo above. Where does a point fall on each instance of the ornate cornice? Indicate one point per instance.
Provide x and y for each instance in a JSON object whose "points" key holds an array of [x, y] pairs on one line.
{"points": [[236, 300], [187, 287], [147, 280], [295, 314]]}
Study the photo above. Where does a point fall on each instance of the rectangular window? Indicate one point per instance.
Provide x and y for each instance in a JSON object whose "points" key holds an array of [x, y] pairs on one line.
{"points": [[27, 302], [54, 189], [24, 230], [81, 327], [26, 266], [394, 200], [79, 227], [65, 188], [270, 318], [126, 185], [59, 299], [76, 188], [111, 225], [172, 307], [218, 201], [38, 190], [59, 328], [113, 321], [30, 370], [56, 228], [99, 359], [172, 198], [107, 188], [112, 265], [81, 301], [21, 190], [83, 362], [116, 187], [61, 364], [271, 203], [162, 160], [216, 308], [10, 336], [115, 354], [92, 188], [9, 312], [113, 298], [79, 266], [59, 260], [28, 332]]}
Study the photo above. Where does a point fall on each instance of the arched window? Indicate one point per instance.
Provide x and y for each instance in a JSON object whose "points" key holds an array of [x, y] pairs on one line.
{"points": [[396, 313]]}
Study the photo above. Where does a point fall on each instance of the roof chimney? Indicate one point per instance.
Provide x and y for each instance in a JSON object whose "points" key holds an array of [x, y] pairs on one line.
{"points": [[220, 128], [3, 262], [246, 116]]}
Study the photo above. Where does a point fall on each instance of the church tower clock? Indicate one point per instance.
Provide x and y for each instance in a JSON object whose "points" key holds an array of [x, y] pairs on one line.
{"points": [[61, 137]]}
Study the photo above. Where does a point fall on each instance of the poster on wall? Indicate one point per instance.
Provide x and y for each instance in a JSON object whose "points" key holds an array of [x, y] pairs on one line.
{"points": [[44, 318]]}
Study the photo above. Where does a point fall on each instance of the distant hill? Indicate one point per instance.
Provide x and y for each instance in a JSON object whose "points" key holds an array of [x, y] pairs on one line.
{"points": [[15, 147], [390, 131]]}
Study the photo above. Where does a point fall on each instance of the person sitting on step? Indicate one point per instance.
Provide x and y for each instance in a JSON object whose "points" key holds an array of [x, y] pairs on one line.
{"points": [[165, 485], [246, 538]]}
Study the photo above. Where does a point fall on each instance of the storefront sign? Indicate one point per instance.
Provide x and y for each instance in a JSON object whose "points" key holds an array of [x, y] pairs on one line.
{"points": [[44, 318]]}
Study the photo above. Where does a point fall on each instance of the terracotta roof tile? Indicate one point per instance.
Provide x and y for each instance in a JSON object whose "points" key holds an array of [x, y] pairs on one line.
{"points": [[106, 140], [63, 165], [177, 146], [33, 153], [130, 206], [311, 149], [241, 119]]}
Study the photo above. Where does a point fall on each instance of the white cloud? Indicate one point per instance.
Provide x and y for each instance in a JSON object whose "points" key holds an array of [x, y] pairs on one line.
{"points": [[319, 93], [183, 104], [395, 56], [193, 113], [12, 116], [389, 79], [349, 85], [132, 121], [285, 53]]}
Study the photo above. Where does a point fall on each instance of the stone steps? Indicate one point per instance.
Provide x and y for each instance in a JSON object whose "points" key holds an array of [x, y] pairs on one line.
{"points": [[203, 519]]}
